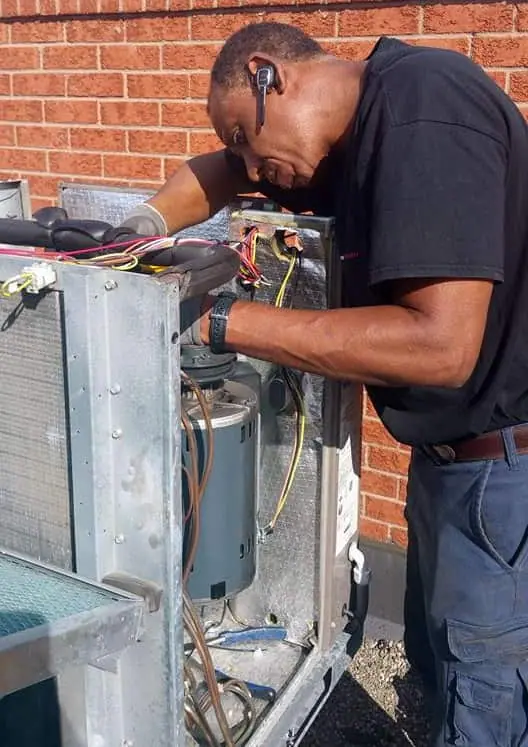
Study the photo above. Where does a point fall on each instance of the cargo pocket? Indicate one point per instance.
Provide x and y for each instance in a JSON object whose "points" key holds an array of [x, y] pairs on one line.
{"points": [[481, 681], [479, 711]]}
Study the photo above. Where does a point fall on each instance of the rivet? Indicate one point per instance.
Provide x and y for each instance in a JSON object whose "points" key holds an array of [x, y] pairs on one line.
{"points": [[119, 539], [117, 433], [110, 285], [115, 389]]}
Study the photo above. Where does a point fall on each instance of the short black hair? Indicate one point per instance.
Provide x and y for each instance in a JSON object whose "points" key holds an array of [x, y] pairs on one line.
{"points": [[281, 40]]}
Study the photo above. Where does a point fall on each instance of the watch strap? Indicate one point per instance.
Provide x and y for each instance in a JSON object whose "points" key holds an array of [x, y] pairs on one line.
{"points": [[218, 317]]}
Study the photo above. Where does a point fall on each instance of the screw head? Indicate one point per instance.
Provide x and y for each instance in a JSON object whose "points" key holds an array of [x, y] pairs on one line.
{"points": [[117, 433], [110, 285], [119, 539], [115, 389]]}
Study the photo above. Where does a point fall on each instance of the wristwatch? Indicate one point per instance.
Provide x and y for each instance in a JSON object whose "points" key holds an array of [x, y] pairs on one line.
{"points": [[218, 317]]}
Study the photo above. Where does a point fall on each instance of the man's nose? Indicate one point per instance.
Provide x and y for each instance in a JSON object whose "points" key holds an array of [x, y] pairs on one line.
{"points": [[253, 165]]}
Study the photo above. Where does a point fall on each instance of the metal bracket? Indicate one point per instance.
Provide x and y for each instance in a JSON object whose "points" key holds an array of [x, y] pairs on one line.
{"points": [[147, 590]]}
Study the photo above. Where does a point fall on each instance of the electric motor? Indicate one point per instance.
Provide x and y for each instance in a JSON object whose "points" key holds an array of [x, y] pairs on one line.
{"points": [[225, 560]]}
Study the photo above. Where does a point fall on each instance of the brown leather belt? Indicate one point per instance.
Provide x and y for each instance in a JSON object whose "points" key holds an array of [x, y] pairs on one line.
{"points": [[487, 446]]}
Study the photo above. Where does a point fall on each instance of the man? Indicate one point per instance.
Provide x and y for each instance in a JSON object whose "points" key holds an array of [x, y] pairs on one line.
{"points": [[424, 162]]}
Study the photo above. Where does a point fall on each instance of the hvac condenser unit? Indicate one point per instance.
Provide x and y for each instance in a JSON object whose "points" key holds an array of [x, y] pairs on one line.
{"points": [[99, 429]]}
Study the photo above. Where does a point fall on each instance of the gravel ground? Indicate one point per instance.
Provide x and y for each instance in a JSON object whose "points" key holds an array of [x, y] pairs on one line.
{"points": [[377, 704]]}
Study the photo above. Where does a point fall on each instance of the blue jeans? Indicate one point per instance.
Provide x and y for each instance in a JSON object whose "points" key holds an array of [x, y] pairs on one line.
{"points": [[466, 604]]}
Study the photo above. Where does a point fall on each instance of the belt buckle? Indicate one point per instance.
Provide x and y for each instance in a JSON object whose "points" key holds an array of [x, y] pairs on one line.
{"points": [[440, 453]]}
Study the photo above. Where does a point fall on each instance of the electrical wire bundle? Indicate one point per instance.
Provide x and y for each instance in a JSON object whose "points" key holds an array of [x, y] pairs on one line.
{"points": [[127, 254], [197, 704], [250, 276], [287, 247]]}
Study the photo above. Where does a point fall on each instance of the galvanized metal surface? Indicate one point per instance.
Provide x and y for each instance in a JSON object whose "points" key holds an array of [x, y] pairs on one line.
{"points": [[123, 394], [50, 621], [34, 479], [289, 583]]}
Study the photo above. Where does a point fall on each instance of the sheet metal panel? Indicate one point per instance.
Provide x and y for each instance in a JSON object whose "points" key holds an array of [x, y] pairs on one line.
{"points": [[34, 479]]}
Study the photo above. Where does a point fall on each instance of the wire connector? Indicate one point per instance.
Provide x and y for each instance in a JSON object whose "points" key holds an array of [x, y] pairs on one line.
{"points": [[40, 276]]}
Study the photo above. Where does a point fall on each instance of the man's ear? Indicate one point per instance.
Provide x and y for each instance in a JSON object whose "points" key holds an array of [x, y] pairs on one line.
{"points": [[258, 60]]}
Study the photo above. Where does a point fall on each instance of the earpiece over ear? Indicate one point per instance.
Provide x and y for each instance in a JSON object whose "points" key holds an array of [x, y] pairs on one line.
{"points": [[264, 80]]}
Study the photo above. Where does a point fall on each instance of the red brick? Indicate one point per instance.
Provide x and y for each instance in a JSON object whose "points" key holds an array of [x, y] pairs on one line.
{"points": [[374, 21], [43, 137], [358, 49], [398, 536], [131, 6], [108, 6], [184, 114], [317, 23], [21, 58], [522, 17], [189, 57], [78, 164], [4, 31], [37, 33], [130, 57], [23, 160], [49, 7], [9, 8], [218, 26], [132, 167], [374, 432], [98, 139], [44, 185], [203, 142], [99, 31], [99, 85], [499, 77], [127, 113], [157, 29], [163, 86], [28, 7], [501, 51], [454, 43], [38, 202], [384, 510], [39, 84], [89, 6], [387, 460], [199, 85], [374, 530], [69, 6], [5, 85], [470, 17], [368, 407], [402, 489], [22, 110], [157, 141], [76, 112], [7, 135], [80, 57], [378, 483], [519, 85], [170, 165]]}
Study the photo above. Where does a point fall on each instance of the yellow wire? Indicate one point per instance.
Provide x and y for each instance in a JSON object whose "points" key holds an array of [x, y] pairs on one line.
{"points": [[279, 300], [294, 463], [24, 280]]}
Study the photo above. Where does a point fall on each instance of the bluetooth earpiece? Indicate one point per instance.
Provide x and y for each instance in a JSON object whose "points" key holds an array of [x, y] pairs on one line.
{"points": [[264, 79]]}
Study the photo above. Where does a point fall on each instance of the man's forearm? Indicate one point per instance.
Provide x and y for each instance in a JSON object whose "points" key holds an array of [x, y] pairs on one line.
{"points": [[198, 189], [384, 345]]}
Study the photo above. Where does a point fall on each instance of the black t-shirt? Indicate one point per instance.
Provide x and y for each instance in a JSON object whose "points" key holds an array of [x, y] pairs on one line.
{"points": [[435, 185]]}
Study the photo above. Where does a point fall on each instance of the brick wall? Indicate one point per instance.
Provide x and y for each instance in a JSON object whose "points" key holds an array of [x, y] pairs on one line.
{"points": [[112, 91]]}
